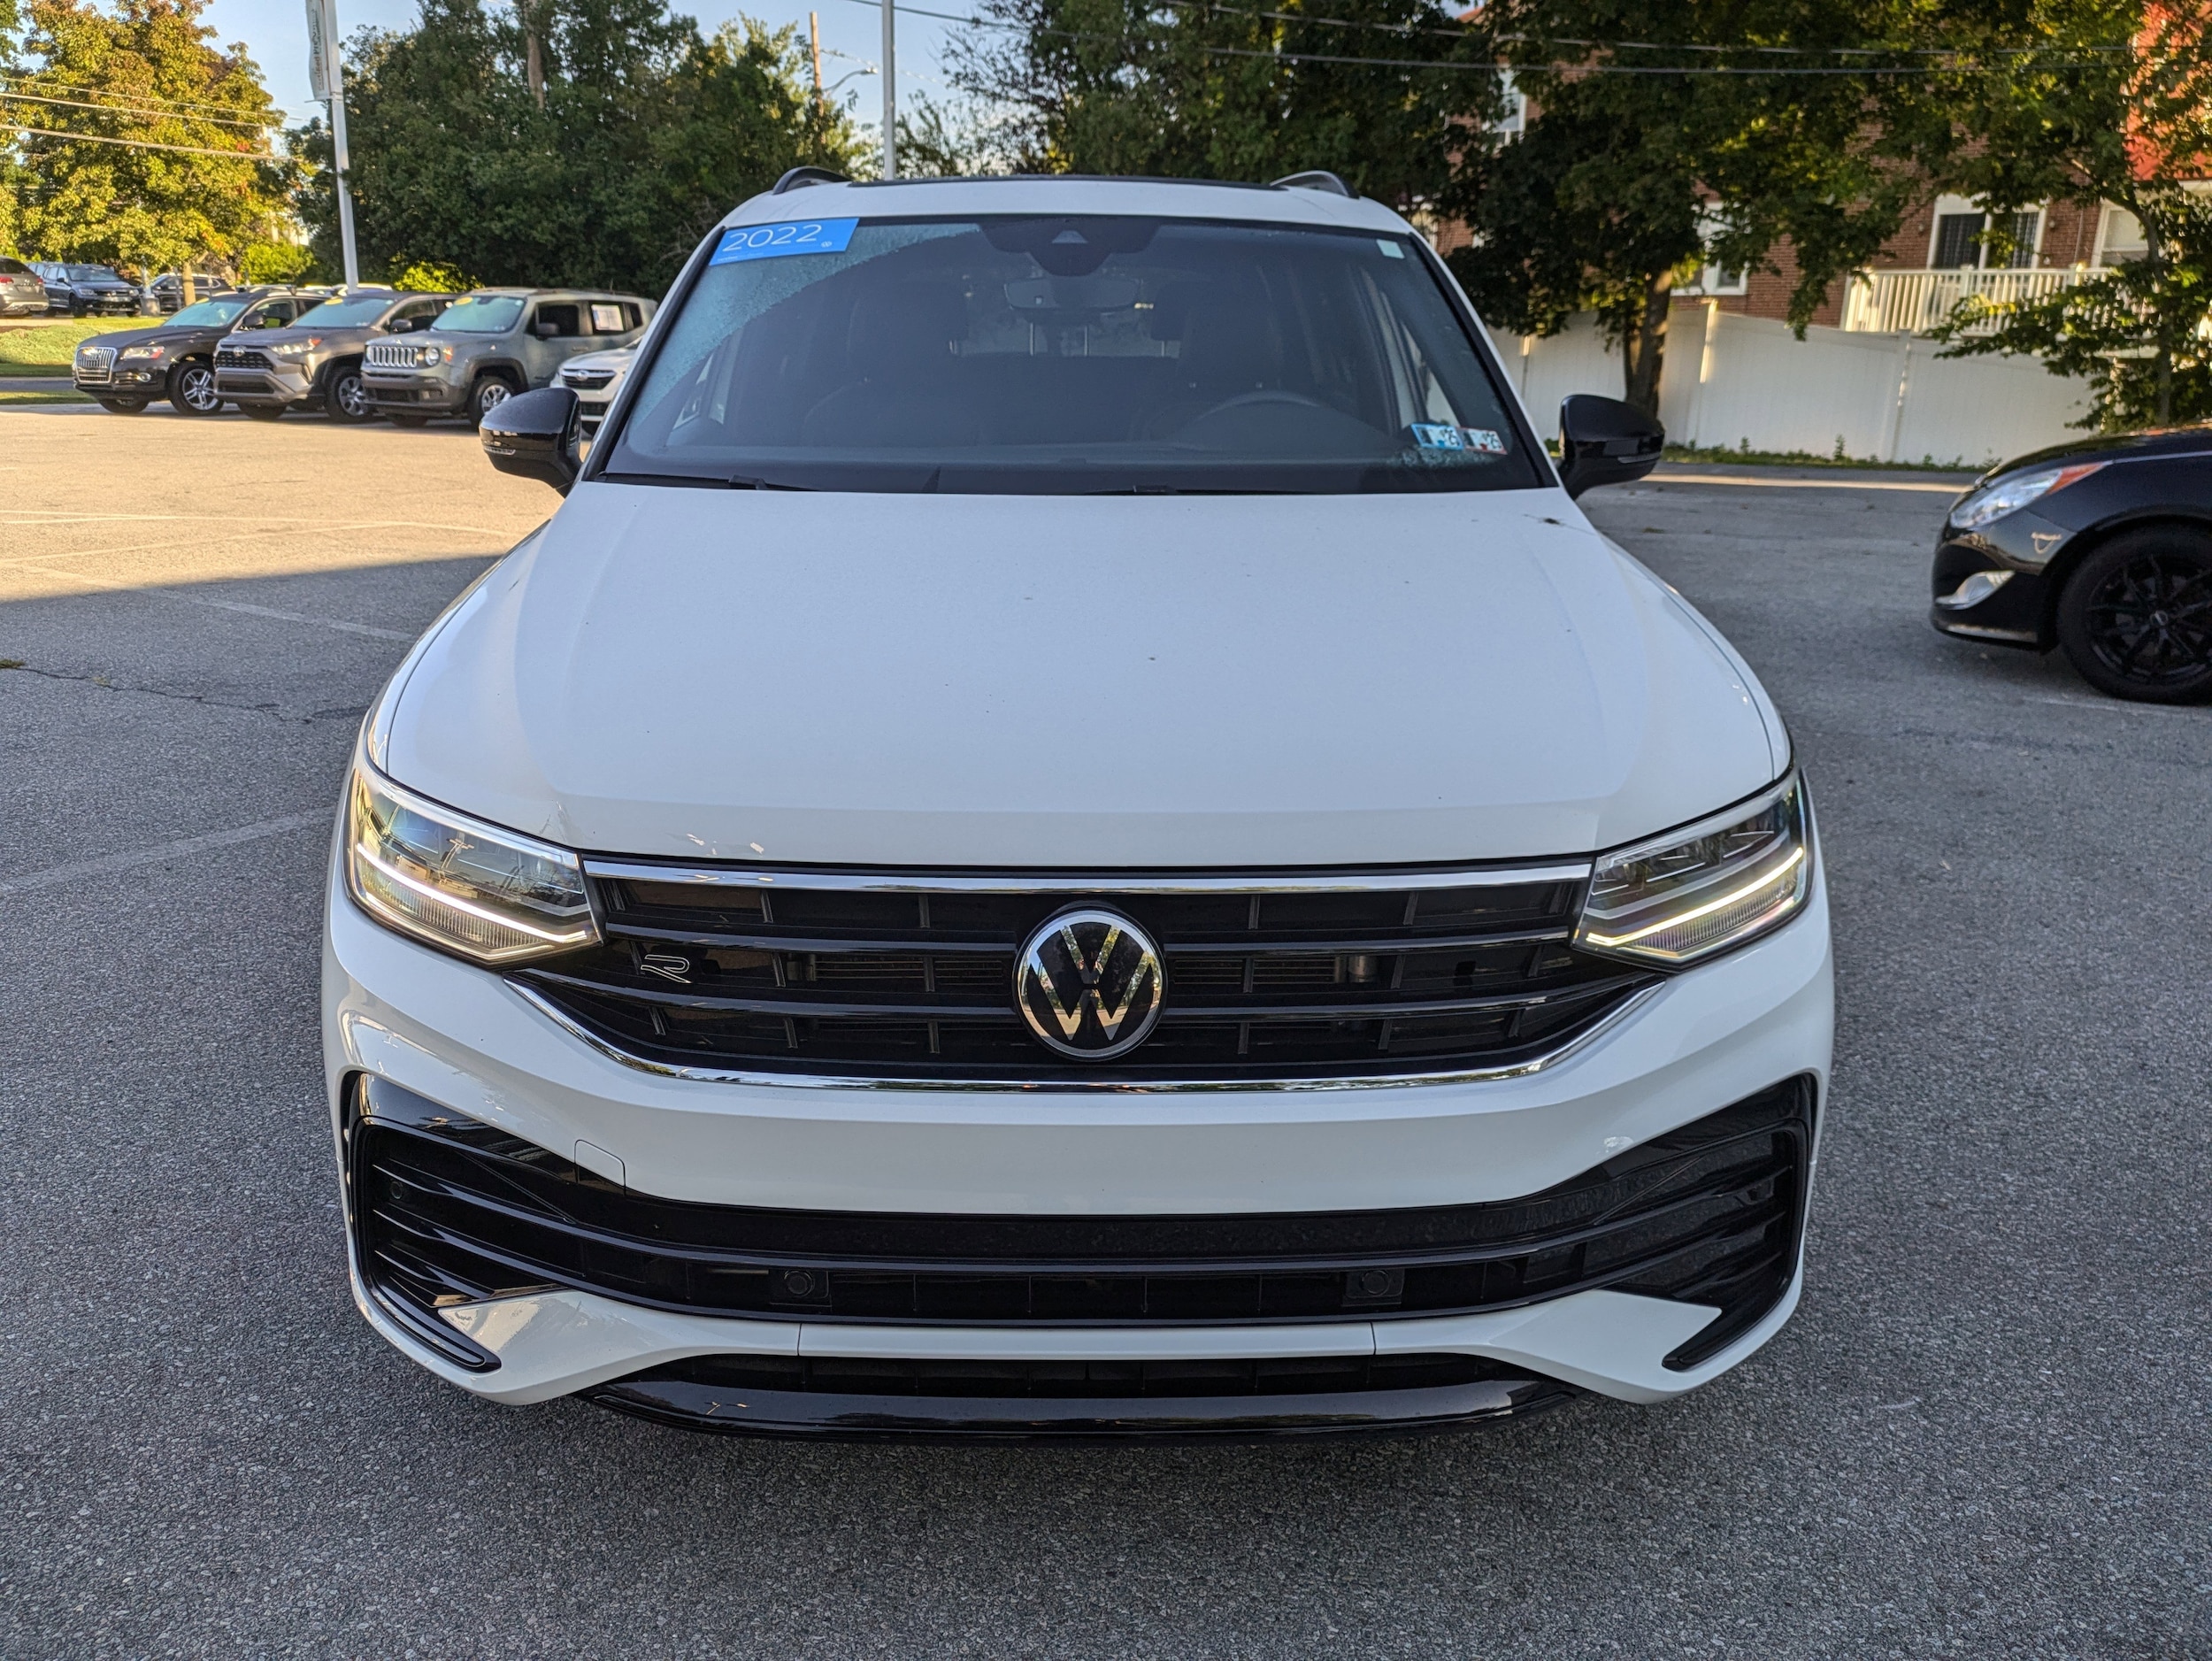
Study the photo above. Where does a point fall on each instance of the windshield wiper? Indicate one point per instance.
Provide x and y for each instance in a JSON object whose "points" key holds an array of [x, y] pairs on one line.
{"points": [[748, 481]]}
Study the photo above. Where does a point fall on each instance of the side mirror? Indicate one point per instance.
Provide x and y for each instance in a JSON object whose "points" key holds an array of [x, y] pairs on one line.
{"points": [[532, 435], [1602, 441], [545, 328]]}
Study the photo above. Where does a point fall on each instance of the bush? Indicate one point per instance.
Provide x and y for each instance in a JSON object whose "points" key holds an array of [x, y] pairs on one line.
{"points": [[427, 276], [276, 263]]}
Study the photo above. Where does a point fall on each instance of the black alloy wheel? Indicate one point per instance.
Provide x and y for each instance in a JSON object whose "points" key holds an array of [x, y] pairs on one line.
{"points": [[2136, 616], [122, 406], [488, 395], [192, 388], [345, 396], [262, 411]]}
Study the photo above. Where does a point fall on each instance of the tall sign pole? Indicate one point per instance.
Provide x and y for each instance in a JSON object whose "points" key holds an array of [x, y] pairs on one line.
{"points": [[326, 84], [890, 90]]}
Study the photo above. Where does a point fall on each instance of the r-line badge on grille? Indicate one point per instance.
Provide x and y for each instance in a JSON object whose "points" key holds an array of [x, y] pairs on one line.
{"points": [[1089, 984]]}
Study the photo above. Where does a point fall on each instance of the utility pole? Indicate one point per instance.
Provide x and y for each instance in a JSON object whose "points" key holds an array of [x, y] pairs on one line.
{"points": [[326, 82], [814, 38], [890, 89]]}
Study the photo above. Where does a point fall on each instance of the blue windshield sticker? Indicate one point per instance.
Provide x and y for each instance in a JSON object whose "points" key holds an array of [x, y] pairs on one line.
{"points": [[1431, 436], [772, 242]]}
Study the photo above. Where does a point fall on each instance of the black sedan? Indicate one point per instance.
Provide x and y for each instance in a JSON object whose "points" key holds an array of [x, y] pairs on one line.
{"points": [[2102, 549]]}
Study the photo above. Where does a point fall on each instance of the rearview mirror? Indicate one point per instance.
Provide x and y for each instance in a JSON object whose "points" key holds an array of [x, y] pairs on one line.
{"points": [[1602, 441], [533, 435]]}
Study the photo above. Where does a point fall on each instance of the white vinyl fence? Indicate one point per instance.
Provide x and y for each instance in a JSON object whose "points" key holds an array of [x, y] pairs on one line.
{"points": [[1731, 382]]}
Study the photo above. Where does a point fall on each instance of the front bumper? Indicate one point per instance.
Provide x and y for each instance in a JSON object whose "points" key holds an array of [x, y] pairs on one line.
{"points": [[415, 395], [280, 383], [2017, 550], [468, 1042]]}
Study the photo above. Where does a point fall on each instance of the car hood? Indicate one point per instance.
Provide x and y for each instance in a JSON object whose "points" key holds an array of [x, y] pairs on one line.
{"points": [[1076, 682], [120, 338]]}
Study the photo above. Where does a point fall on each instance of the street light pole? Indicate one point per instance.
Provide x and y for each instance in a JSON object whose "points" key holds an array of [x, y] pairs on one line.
{"points": [[326, 80], [890, 90]]}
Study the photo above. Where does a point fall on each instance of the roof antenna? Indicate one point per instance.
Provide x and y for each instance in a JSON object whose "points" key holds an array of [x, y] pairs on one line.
{"points": [[1317, 179]]}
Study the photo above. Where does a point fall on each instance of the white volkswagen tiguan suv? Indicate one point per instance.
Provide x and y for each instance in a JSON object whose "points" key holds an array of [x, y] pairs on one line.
{"points": [[1069, 831]]}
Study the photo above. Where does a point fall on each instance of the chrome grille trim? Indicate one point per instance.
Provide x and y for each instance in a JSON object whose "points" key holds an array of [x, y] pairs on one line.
{"points": [[1084, 1086], [1105, 882], [390, 354], [96, 365]]}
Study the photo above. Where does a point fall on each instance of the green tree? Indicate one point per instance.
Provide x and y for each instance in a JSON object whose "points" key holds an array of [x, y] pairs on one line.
{"points": [[603, 167], [151, 68], [1378, 91], [2120, 114], [1667, 133]]}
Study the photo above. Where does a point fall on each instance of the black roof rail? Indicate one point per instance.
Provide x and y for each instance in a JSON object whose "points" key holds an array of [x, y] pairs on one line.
{"points": [[800, 178], [1316, 179]]}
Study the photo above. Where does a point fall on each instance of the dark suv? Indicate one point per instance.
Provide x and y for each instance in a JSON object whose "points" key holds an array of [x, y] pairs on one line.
{"points": [[175, 359], [315, 363]]}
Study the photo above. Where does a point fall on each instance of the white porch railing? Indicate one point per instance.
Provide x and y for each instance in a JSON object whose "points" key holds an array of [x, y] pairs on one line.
{"points": [[1914, 302]]}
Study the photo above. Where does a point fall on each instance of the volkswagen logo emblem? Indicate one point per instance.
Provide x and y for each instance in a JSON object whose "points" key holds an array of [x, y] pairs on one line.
{"points": [[1089, 984]]}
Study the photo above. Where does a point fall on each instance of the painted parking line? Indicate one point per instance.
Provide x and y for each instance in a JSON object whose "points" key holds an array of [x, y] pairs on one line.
{"points": [[56, 875], [338, 623], [1806, 484]]}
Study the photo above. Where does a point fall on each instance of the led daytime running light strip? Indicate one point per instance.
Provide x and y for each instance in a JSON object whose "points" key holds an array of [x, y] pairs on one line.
{"points": [[1796, 858], [575, 937]]}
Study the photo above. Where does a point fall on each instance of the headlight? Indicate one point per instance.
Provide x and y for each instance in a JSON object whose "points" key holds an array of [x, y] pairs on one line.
{"points": [[472, 887], [427, 357], [144, 352], [1676, 899], [1978, 508], [296, 349]]}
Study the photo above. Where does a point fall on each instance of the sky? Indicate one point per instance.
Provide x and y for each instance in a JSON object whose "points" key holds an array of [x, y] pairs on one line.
{"points": [[275, 34]]}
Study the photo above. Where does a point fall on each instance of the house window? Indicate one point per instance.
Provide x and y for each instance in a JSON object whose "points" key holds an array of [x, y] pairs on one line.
{"points": [[1515, 121], [2120, 237], [1958, 245]]}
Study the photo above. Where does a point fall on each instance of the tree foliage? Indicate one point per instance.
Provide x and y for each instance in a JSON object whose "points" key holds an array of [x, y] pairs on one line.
{"points": [[153, 70], [1630, 170], [637, 136], [2123, 114], [1188, 90]]}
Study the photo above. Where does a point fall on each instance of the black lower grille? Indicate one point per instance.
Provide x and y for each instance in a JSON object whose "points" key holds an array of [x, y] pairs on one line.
{"points": [[449, 1210], [710, 968], [819, 1395]]}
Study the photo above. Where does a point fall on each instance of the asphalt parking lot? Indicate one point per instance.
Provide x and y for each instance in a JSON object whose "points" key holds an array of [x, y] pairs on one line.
{"points": [[1988, 1432]]}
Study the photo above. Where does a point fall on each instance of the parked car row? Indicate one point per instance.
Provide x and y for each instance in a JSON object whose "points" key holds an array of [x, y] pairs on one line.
{"points": [[35, 287], [357, 354]]}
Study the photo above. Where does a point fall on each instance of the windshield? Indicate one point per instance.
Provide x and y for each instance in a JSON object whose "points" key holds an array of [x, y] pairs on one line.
{"points": [[208, 314], [357, 312], [480, 314], [1019, 355], [91, 273]]}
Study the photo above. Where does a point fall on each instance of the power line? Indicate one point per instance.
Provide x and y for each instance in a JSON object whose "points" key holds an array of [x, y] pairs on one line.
{"points": [[142, 144], [47, 79], [1404, 30], [1461, 66], [117, 109]]}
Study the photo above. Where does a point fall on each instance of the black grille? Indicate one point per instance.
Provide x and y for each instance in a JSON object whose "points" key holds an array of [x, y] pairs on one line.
{"points": [[240, 358], [450, 1210], [840, 1397], [1287, 983]]}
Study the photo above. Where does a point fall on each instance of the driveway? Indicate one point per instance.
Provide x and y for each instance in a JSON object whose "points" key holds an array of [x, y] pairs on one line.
{"points": [[1986, 1433]]}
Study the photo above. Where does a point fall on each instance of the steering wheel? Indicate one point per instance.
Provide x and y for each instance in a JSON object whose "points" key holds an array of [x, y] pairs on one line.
{"points": [[1265, 395]]}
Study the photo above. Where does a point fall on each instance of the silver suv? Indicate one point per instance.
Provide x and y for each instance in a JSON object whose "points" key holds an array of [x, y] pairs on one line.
{"points": [[315, 363], [494, 343]]}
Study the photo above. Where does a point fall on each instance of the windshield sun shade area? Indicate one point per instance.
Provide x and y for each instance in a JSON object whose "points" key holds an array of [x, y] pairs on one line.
{"points": [[479, 314], [1053, 355]]}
